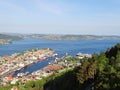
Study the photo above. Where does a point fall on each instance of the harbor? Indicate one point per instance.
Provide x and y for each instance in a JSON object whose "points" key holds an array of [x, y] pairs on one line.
{"points": [[18, 67], [22, 71], [10, 66]]}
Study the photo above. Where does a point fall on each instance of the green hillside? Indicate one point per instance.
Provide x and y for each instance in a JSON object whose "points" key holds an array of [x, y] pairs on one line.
{"points": [[101, 72]]}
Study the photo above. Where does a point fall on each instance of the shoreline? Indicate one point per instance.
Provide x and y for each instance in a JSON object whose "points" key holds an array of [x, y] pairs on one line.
{"points": [[57, 66], [25, 58]]}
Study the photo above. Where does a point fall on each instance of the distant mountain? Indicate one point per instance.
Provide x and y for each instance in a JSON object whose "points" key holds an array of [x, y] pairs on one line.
{"points": [[9, 37], [15, 36], [74, 37]]}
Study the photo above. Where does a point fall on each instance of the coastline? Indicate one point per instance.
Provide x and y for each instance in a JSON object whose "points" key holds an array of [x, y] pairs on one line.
{"points": [[4, 42], [9, 64], [59, 65]]}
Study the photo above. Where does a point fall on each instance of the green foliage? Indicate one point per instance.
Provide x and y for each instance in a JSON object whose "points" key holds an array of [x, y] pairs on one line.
{"points": [[102, 62], [65, 81], [117, 61], [73, 60], [101, 71], [20, 54], [112, 52], [82, 75], [108, 72], [30, 84], [48, 48], [5, 87]]}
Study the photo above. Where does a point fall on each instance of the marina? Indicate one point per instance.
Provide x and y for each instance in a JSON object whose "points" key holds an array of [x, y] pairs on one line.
{"points": [[55, 65], [10, 66]]}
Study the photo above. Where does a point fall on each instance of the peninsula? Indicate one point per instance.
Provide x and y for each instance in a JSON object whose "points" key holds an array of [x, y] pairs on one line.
{"points": [[7, 38]]}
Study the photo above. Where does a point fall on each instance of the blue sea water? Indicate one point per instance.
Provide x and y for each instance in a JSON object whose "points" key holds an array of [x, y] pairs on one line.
{"points": [[59, 46]]}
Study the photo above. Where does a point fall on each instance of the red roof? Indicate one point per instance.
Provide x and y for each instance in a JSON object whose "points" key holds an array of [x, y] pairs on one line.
{"points": [[53, 67]]}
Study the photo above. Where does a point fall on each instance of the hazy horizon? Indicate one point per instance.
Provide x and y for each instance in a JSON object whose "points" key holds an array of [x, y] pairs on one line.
{"points": [[78, 17], [58, 34]]}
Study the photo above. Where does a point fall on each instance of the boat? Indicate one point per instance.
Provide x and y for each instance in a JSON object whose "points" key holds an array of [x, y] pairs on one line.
{"points": [[41, 59], [82, 55], [55, 55]]}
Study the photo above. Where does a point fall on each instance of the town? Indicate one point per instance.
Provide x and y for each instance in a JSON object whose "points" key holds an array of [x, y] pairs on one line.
{"points": [[17, 61]]}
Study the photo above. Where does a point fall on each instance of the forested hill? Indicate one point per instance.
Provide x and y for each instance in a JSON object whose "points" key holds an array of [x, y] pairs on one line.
{"points": [[11, 37], [73, 37], [58, 37], [6, 38], [101, 72], [112, 52]]}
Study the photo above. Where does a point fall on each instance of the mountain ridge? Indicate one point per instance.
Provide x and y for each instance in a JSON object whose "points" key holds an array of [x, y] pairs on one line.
{"points": [[73, 37]]}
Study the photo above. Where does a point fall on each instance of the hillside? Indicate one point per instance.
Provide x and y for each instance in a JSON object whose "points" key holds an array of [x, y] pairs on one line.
{"points": [[57, 37], [101, 72], [73, 37], [6, 38], [9, 37]]}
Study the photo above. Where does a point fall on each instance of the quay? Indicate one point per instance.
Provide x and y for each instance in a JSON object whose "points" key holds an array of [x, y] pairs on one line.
{"points": [[61, 64], [10, 64]]}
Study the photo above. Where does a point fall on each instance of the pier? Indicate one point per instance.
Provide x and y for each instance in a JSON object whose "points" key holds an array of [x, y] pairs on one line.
{"points": [[15, 62]]}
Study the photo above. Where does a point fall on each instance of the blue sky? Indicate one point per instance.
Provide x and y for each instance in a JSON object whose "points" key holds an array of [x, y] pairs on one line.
{"points": [[93, 17]]}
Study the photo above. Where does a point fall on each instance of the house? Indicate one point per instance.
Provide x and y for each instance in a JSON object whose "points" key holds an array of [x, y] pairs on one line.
{"points": [[14, 88]]}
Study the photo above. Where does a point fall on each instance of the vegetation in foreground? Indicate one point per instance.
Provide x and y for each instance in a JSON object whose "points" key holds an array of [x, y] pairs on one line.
{"points": [[101, 72]]}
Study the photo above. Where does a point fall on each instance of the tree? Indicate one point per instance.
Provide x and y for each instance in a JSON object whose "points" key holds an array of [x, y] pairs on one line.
{"points": [[117, 61], [102, 62], [82, 75], [30, 84]]}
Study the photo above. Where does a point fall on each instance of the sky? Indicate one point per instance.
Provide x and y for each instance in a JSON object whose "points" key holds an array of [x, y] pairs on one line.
{"points": [[86, 17]]}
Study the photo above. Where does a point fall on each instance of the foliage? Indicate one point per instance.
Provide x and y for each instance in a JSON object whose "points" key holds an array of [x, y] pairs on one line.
{"points": [[101, 72], [65, 81], [72, 59]]}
